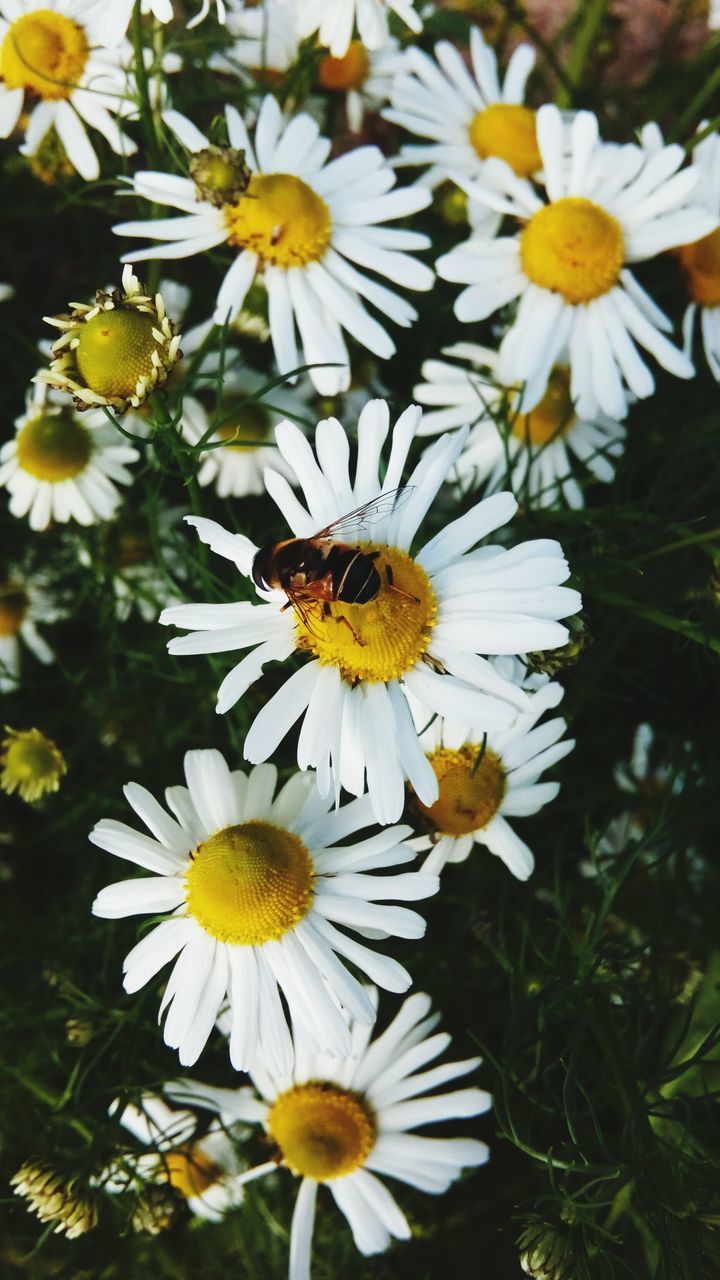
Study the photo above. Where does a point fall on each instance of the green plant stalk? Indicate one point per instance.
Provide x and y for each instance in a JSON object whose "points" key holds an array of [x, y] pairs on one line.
{"points": [[592, 22]]}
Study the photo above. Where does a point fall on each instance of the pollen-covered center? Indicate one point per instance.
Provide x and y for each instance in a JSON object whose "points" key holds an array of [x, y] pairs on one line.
{"points": [[247, 428], [471, 783], [44, 52], [281, 219], [383, 638], [322, 1131], [190, 1171], [348, 72], [508, 132], [701, 263], [552, 417], [13, 608], [250, 884], [53, 447], [30, 757], [115, 351], [574, 248]]}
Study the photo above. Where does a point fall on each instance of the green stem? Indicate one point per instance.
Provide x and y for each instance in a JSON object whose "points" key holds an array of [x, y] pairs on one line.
{"points": [[51, 1100], [661, 619], [594, 12], [694, 107], [143, 86]]}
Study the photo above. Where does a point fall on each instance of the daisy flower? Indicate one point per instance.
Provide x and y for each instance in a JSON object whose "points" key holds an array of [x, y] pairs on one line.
{"points": [[307, 225], [23, 603], [700, 260], [335, 23], [252, 888], [61, 466], [6, 291], [50, 67], [485, 779], [536, 449], [606, 207], [434, 613], [347, 1123], [205, 1171], [646, 783], [112, 17], [30, 763]]}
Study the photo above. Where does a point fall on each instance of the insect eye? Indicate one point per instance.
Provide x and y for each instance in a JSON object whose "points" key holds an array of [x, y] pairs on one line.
{"points": [[259, 568]]}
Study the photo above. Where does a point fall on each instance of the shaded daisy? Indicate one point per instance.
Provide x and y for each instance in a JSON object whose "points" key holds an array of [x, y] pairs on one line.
{"points": [[61, 466], [30, 763], [484, 779], [307, 225], [426, 621], [567, 266], [252, 888], [538, 451], [335, 23], [24, 601], [700, 260], [346, 1123], [51, 67], [646, 782]]}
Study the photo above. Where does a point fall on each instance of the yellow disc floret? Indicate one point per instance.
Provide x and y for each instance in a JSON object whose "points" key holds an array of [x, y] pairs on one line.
{"points": [[250, 884], [44, 52], [53, 447], [322, 1131], [190, 1171], [552, 417], [348, 72], [30, 764], [13, 608], [281, 219], [115, 351], [574, 248], [379, 640], [508, 132], [471, 786], [701, 263]]}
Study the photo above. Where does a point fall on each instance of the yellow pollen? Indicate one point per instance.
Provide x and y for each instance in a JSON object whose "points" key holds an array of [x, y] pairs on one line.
{"points": [[281, 219], [128, 547], [322, 1131], [249, 884], [190, 1171], [53, 447], [251, 423], [44, 52], [574, 248], [382, 639], [508, 132], [554, 416], [470, 792], [701, 263], [348, 72], [13, 608], [115, 350], [30, 764]]}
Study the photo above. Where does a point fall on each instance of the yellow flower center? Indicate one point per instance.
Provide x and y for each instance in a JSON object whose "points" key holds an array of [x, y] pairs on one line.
{"points": [[249, 884], [471, 784], [190, 1171], [45, 52], [552, 417], [250, 426], [701, 263], [281, 219], [128, 547], [322, 1131], [382, 639], [53, 447], [348, 72], [508, 132], [574, 248], [31, 764], [13, 607], [115, 351]]}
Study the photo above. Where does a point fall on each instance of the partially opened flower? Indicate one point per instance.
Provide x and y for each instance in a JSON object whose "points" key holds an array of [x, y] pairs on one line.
{"points": [[421, 625], [309, 227], [335, 23], [347, 1124], [56, 1197], [700, 260], [24, 601], [568, 264], [252, 886], [50, 66], [30, 763]]}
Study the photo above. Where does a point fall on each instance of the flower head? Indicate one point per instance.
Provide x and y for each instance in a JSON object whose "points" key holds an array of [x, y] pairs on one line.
{"points": [[55, 1198], [24, 601], [30, 764]]}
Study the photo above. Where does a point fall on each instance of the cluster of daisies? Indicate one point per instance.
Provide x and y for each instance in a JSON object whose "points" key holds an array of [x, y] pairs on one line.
{"points": [[421, 726]]}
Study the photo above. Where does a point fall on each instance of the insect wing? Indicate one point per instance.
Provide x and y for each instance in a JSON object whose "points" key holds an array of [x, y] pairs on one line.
{"points": [[362, 518]]}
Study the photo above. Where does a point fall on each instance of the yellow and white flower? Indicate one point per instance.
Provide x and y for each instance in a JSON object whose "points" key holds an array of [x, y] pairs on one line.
{"points": [[30, 763], [23, 602], [50, 65], [436, 613], [347, 1123], [568, 264], [536, 450], [252, 885], [335, 23], [307, 225], [700, 260]]}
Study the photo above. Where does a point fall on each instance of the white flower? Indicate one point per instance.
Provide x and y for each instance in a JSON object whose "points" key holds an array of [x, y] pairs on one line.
{"points": [[335, 22], [432, 616], [647, 783], [607, 206], [484, 780], [51, 67], [537, 449], [346, 1124], [700, 260], [252, 887], [206, 1171], [113, 16], [303, 223], [62, 465], [6, 291], [24, 601]]}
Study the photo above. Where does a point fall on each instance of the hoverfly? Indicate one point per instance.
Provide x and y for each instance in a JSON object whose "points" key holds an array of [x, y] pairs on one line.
{"points": [[323, 569]]}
